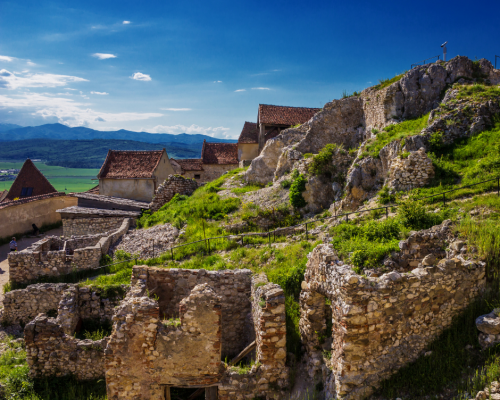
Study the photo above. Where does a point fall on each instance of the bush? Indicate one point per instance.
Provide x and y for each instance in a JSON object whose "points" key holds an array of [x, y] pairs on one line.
{"points": [[298, 186], [413, 215], [385, 196], [322, 162], [285, 184]]}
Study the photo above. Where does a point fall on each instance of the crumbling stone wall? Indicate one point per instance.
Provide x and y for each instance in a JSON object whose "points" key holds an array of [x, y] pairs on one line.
{"points": [[53, 256], [414, 171], [269, 376], [144, 355], [52, 352], [90, 226], [22, 305], [380, 323], [172, 185], [69, 301], [234, 286]]}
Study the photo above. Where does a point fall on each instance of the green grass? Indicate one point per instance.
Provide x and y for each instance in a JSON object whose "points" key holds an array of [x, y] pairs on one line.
{"points": [[63, 179], [383, 83], [246, 189], [478, 92], [467, 161], [394, 132]]}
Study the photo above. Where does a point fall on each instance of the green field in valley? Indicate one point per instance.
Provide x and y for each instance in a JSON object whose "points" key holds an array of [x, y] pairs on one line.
{"points": [[63, 179]]}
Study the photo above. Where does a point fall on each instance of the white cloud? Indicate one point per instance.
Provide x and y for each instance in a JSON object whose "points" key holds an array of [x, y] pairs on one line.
{"points": [[176, 109], [67, 88], [260, 88], [139, 76], [126, 22], [67, 111], [103, 56], [217, 81], [100, 93], [30, 63], [7, 58], [241, 90], [10, 80], [219, 131]]}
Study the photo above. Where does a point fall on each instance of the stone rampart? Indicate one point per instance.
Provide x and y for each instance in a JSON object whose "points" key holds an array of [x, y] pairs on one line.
{"points": [[379, 323], [172, 185], [52, 352], [53, 256], [234, 286]]}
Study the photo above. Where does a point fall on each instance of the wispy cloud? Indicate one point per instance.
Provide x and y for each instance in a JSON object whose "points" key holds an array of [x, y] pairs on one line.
{"points": [[100, 93], [67, 88], [176, 109], [126, 22], [139, 76], [67, 111], [30, 63], [103, 56], [261, 88], [10, 80], [7, 58], [219, 131], [241, 90], [217, 81]]}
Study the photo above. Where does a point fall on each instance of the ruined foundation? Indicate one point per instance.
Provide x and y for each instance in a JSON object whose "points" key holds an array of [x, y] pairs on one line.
{"points": [[380, 324]]}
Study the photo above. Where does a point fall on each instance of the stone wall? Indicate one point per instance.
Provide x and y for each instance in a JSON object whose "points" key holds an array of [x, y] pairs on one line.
{"points": [[144, 354], [269, 376], [53, 256], [234, 286], [414, 171], [22, 305], [90, 226], [380, 323], [51, 352], [172, 185]]}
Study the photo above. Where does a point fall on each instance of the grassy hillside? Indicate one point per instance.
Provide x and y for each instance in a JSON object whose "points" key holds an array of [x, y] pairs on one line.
{"points": [[85, 153]]}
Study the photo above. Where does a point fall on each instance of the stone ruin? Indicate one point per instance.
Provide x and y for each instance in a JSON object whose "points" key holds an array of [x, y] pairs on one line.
{"points": [[381, 323], [169, 188], [414, 171], [174, 328], [53, 256]]}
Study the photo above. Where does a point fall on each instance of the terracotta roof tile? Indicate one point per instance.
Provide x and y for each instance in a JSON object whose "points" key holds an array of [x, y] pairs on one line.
{"points": [[29, 177], [126, 164], [281, 115], [249, 133], [94, 190], [219, 153], [189, 164]]}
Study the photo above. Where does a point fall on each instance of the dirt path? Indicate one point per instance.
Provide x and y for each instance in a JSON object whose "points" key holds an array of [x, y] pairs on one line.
{"points": [[21, 245]]}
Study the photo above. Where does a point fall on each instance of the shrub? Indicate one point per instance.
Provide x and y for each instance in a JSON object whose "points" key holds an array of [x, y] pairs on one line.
{"points": [[297, 187], [436, 141], [404, 154], [322, 162], [413, 215], [285, 184], [385, 196]]}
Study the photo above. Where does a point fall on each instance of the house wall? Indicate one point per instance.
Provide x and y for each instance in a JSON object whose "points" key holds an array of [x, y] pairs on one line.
{"points": [[17, 219], [214, 171], [135, 189], [163, 170], [247, 151]]}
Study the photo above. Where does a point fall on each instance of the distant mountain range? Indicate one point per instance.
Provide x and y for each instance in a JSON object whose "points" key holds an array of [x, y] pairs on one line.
{"points": [[85, 153], [63, 132]]}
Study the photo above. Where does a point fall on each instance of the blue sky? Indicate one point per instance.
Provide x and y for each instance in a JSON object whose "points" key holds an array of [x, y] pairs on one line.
{"points": [[204, 66]]}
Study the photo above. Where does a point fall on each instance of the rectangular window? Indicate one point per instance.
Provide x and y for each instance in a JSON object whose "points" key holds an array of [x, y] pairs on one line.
{"points": [[26, 191], [197, 177]]}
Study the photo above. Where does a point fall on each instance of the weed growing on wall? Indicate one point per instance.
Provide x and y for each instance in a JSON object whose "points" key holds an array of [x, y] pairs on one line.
{"points": [[322, 162], [298, 186]]}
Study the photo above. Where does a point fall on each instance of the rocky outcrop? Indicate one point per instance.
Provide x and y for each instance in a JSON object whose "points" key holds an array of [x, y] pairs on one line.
{"points": [[350, 121]]}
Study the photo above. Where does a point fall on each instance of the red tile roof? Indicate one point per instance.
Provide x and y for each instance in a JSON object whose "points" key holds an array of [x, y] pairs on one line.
{"points": [[281, 115], [94, 190], [219, 153], [126, 164], [189, 164], [249, 133], [30, 177]]}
